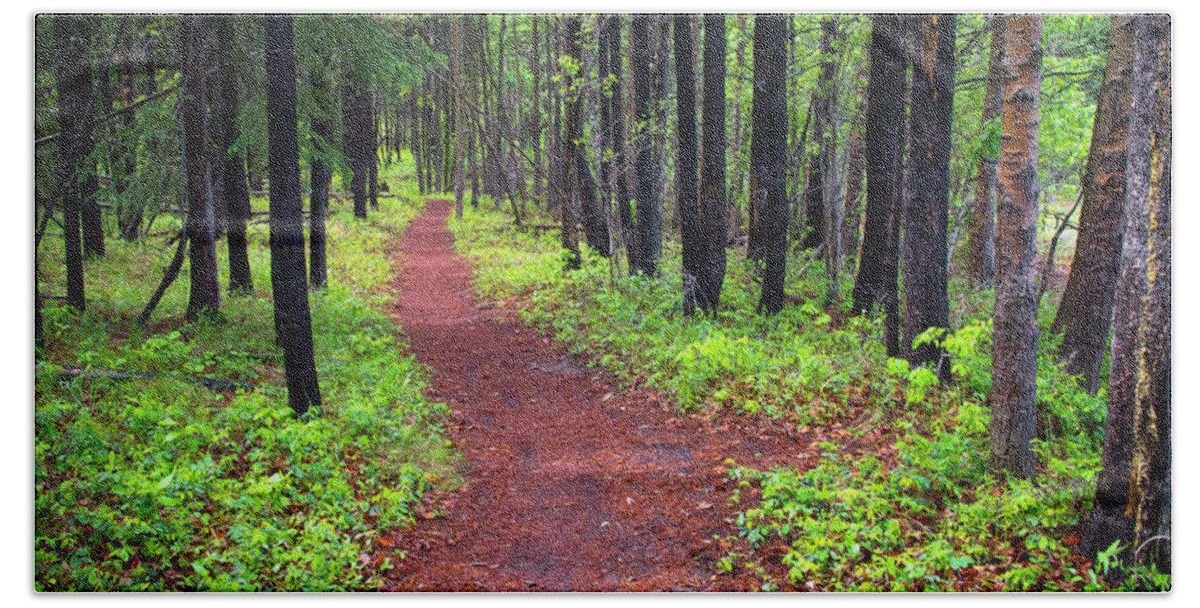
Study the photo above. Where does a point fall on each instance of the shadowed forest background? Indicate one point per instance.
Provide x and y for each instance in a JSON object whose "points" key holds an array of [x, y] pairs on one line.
{"points": [[790, 302]]}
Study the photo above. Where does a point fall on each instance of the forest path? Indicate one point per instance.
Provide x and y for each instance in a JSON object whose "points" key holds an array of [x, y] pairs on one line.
{"points": [[573, 483]]}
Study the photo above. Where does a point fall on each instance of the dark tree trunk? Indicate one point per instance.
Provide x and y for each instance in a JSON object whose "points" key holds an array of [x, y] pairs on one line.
{"points": [[72, 41], [293, 324], [855, 171], [737, 154], [460, 118], [1013, 400], [539, 173], [982, 248], [711, 271], [579, 176], [215, 147], [1137, 395], [687, 176], [373, 153], [1085, 313], [320, 180], [357, 104], [204, 296], [878, 266], [926, 213], [417, 145], [769, 152], [233, 172], [648, 220]]}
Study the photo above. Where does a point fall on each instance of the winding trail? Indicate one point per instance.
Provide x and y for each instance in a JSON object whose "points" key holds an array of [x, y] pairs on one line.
{"points": [[574, 484]]}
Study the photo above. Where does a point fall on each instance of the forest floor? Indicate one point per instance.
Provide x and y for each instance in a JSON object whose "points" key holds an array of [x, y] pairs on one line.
{"points": [[575, 483]]}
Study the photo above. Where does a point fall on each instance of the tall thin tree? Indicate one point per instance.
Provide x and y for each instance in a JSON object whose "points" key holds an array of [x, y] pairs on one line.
{"points": [[204, 296], [293, 323], [687, 177], [712, 209], [981, 252], [768, 151]]}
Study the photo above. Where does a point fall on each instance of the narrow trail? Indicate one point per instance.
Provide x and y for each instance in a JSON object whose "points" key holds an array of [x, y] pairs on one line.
{"points": [[573, 483]]}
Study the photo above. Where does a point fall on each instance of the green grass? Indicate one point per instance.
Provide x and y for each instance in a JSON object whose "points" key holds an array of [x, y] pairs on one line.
{"points": [[900, 497], [163, 485]]}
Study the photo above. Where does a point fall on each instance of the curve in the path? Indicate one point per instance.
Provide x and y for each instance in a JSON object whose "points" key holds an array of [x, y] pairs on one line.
{"points": [[573, 484]]}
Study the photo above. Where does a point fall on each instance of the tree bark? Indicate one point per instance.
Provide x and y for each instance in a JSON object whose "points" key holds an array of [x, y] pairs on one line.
{"points": [[1085, 312], [293, 324], [1132, 458], [768, 152], [878, 265], [1013, 400], [204, 296], [712, 211], [687, 177], [460, 118], [648, 217], [927, 208], [72, 41], [579, 177], [233, 172]]}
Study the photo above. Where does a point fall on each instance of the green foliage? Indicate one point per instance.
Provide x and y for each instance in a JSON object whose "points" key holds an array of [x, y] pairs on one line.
{"points": [[162, 485]]}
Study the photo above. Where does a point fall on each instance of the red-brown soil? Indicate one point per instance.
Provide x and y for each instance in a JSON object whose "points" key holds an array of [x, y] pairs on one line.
{"points": [[574, 482]]}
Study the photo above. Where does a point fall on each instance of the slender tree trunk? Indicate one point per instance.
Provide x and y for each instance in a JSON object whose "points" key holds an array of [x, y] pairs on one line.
{"points": [[768, 152], [713, 203], [293, 324], [617, 141], [460, 118], [687, 176], [373, 152], [982, 249], [926, 213], [855, 172], [1131, 436], [737, 153], [1013, 400], [204, 296], [1085, 312], [320, 180], [72, 41], [831, 31], [233, 171]]}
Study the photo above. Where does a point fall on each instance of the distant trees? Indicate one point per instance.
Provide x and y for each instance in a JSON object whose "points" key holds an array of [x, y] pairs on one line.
{"points": [[982, 247], [687, 173]]}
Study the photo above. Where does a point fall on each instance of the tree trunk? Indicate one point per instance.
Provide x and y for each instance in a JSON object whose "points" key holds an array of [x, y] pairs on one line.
{"points": [[1132, 440], [927, 209], [293, 324], [579, 177], [204, 296], [982, 249], [687, 187], [373, 152], [712, 218], [1085, 312], [648, 217], [72, 42], [1015, 337], [460, 119], [769, 150], [878, 266], [233, 171], [320, 180]]}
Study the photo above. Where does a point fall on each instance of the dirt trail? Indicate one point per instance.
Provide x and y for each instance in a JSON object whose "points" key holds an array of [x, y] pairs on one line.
{"points": [[573, 483]]}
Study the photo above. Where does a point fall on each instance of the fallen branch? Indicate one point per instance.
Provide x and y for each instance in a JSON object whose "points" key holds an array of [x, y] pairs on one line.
{"points": [[213, 384], [168, 278]]}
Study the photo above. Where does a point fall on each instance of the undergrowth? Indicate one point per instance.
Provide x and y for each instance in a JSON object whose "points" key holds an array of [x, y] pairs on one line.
{"points": [[904, 499], [163, 485]]}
